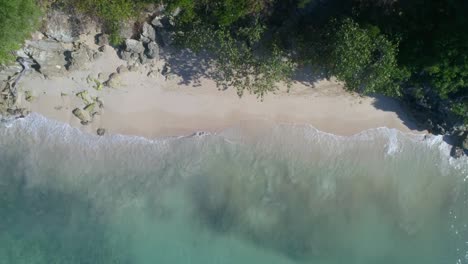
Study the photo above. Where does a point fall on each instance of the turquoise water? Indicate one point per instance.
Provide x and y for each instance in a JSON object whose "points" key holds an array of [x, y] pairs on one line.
{"points": [[284, 194]]}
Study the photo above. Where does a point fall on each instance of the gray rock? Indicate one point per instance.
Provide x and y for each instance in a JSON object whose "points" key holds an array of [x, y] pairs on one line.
{"points": [[101, 131], [156, 22], [152, 74], [121, 69], [126, 29], [134, 46], [80, 56], [152, 50], [102, 39], [143, 59], [62, 27], [457, 152], [49, 55], [125, 55], [148, 33], [81, 115], [114, 80]]}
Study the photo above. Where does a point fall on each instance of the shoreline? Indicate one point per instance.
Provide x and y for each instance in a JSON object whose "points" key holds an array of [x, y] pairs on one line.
{"points": [[144, 102]]}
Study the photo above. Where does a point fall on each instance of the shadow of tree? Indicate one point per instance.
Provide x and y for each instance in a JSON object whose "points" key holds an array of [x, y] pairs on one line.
{"points": [[389, 104], [191, 67]]}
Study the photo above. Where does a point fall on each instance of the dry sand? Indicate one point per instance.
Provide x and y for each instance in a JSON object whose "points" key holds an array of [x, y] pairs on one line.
{"points": [[154, 107]]}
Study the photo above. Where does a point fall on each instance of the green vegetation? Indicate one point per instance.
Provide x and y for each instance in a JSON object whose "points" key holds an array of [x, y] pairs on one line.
{"points": [[364, 59], [17, 19]]}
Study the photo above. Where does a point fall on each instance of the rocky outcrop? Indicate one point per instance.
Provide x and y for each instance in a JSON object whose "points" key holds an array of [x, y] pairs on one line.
{"points": [[102, 39], [134, 46], [148, 33], [80, 56], [48, 54], [152, 50], [62, 27]]}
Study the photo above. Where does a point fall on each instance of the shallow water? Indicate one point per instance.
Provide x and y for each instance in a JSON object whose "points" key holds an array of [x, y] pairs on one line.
{"points": [[285, 194]]}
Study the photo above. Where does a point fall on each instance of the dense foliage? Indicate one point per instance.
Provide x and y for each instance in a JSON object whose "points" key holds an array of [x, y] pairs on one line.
{"points": [[17, 19]]}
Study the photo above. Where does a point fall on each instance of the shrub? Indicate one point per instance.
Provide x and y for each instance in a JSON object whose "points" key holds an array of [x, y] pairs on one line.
{"points": [[17, 19]]}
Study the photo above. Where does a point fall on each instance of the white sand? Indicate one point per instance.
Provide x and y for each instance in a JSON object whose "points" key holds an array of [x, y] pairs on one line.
{"points": [[153, 107]]}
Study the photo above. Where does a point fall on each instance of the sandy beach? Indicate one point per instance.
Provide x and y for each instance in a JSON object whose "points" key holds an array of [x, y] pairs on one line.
{"points": [[154, 106]]}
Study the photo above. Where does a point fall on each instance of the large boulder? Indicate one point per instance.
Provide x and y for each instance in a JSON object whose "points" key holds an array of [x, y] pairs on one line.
{"points": [[62, 27], [134, 46], [152, 50], [49, 55], [148, 33]]}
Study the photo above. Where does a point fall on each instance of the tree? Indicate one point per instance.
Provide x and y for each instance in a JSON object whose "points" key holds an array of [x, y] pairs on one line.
{"points": [[364, 59]]}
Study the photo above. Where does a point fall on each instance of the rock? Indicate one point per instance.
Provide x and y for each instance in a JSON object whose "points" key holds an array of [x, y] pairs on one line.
{"points": [[126, 29], [465, 141], [90, 108], [18, 112], [156, 22], [37, 36], [153, 74], [125, 55], [121, 69], [99, 102], [98, 85], [102, 76], [28, 96], [62, 27], [148, 33], [103, 48], [79, 56], [152, 50], [143, 58], [49, 56], [134, 46], [114, 80], [102, 39], [101, 131], [81, 115], [133, 68], [84, 96], [457, 152]]}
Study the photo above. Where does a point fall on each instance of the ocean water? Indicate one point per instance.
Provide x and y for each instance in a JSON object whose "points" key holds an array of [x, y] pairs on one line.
{"points": [[282, 194]]}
